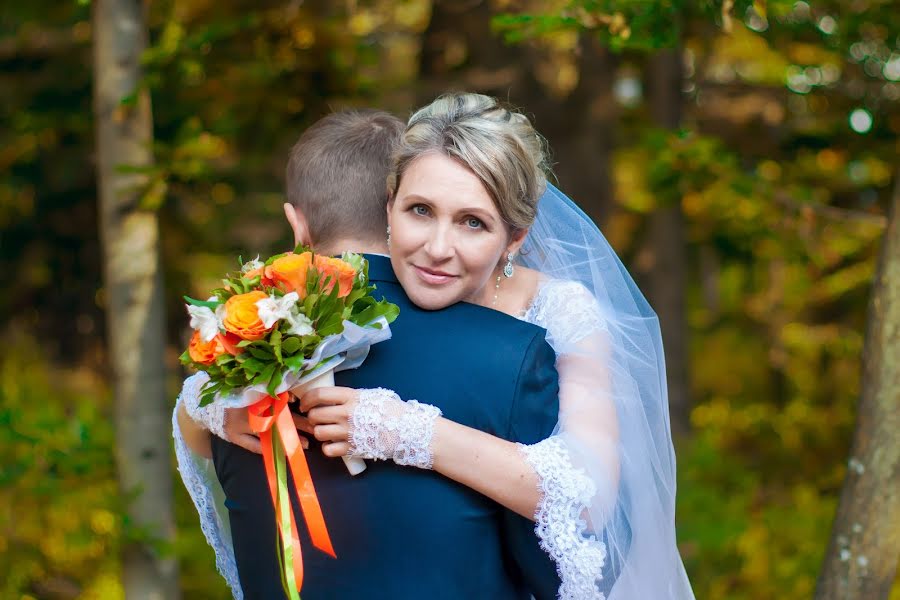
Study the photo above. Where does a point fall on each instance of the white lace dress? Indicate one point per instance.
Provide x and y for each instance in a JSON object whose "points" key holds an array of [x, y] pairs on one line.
{"points": [[572, 318]]}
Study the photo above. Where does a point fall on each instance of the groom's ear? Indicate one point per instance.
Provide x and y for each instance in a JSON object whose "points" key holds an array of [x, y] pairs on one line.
{"points": [[298, 223]]}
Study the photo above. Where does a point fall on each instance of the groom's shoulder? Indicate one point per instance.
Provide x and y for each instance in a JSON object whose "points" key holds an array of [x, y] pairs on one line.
{"points": [[488, 321]]}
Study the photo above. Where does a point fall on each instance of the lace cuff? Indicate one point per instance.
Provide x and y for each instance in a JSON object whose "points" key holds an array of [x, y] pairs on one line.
{"points": [[211, 416], [384, 427], [566, 494]]}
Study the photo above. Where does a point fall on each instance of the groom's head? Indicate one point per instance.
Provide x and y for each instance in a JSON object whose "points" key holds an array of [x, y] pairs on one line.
{"points": [[336, 179]]}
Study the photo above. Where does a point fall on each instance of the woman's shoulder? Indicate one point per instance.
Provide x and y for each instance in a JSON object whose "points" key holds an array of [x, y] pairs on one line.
{"points": [[567, 309], [557, 293]]}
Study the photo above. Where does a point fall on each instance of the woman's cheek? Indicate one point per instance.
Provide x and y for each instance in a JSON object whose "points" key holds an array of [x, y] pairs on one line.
{"points": [[413, 232]]}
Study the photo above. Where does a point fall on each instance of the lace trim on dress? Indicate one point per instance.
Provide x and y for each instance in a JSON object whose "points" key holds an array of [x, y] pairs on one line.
{"points": [[566, 494], [570, 313], [567, 310], [211, 416], [383, 427], [200, 486]]}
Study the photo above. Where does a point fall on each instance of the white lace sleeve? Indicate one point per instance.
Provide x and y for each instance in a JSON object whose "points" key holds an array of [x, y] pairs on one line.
{"points": [[211, 416], [578, 467], [559, 525], [199, 478]]}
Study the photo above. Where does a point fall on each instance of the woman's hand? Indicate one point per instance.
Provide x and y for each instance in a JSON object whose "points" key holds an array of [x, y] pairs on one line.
{"points": [[328, 411], [371, 423]]}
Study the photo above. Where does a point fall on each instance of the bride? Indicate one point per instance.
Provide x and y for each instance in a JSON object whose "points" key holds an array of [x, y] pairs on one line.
{"points": [[472, 218]]}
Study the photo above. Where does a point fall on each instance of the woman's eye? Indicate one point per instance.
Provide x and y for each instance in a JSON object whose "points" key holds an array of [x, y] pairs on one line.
{"points": [[474, 223], [420, 210]]}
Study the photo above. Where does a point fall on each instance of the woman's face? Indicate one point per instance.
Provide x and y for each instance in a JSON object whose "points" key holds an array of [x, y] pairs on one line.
{"points": [[447, 237]]}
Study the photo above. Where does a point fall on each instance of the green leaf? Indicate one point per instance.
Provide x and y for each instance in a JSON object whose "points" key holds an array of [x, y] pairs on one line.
{"points": [[379, 309], [266, 374], [258, 352], [274, 381], [290, 344], [275, 340], [294, 362], [224, 359], [309, 305], [330, 325], [207, 303], [253, 365]]}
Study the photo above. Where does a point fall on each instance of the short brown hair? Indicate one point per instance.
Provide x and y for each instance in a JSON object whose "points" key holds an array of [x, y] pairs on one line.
{"points": [[337, 173]]}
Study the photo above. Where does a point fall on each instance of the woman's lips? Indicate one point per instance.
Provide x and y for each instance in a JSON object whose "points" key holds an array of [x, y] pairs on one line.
{"points": [[432, 277]]}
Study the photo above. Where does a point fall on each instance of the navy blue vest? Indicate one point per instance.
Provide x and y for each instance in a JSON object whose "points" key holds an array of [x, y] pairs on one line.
{"points": [[403, 533]]}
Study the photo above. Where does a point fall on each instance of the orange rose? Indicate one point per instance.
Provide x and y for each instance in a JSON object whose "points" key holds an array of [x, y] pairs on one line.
{"points": [[253, 273], [202, 352], [242, 316], [229, 343], [339, 271], [289, 272]]}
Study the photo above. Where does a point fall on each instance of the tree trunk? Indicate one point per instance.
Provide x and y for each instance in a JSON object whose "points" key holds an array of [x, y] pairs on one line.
{"points": [[667, 283], [864, 550], [582, 131], [134, 299]]}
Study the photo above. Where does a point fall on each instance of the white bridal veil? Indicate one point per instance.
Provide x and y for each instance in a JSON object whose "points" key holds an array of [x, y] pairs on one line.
{"points": [[614, 421]]}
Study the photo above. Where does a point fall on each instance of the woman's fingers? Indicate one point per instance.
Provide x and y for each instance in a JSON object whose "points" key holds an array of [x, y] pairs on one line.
{"points": [[326, 396], [248, 442], [330, 433], [336, 449], [302, 423], [324, 415]]}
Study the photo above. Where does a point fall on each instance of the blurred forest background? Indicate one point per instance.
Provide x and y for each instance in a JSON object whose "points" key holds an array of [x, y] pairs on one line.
{"points": [[741, 156]]}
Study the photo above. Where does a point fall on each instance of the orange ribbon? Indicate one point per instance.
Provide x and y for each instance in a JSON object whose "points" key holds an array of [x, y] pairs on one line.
{"points": [[263, 415]]}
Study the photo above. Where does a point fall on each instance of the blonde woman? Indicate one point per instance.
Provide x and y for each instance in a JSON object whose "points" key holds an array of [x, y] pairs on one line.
{"points": [[472, 219]]}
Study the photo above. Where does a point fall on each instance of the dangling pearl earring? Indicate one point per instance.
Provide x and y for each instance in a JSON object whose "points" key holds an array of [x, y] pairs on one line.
{"points": [[508, 270], [389, 236]]}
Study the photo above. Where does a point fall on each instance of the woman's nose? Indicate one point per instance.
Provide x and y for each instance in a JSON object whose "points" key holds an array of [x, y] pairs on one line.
{"points": [[440, 244]]}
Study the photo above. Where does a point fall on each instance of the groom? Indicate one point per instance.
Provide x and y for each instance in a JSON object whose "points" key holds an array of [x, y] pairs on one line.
{"points": [[400, 533]]}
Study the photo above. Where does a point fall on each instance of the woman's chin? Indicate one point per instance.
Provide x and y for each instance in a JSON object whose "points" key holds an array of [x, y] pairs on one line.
{"points": [[432, 299]]}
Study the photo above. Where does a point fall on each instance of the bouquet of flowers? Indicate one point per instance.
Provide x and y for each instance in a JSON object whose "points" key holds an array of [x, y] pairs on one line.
{"points": [[269, 318], [274, 326]]}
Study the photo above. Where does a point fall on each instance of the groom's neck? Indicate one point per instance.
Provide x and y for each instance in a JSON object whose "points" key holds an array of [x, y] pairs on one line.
{"points": [[339, 246]]}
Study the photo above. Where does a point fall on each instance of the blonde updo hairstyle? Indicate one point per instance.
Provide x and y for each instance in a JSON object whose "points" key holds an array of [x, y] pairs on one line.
{"points": [[497, 144]]}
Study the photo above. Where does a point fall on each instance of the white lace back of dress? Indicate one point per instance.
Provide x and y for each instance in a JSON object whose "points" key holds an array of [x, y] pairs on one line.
{"points": [[201, 483], [569, 313]]}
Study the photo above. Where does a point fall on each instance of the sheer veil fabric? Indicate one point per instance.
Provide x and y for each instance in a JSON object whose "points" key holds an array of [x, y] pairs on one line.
{"points": [[607, 515]]}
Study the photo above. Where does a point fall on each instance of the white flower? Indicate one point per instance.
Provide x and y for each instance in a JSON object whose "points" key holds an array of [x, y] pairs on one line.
{"points": [[300, 324], [220, 315], [204, 320], [273, 309], [252, 264]]}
